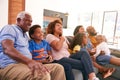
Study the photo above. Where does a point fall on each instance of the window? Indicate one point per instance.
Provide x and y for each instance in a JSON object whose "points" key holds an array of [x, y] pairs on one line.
{"points": [[106, 23], [109, 25]]}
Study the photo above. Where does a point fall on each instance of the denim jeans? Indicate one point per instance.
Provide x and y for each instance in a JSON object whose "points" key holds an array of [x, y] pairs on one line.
{"points": [[80, 61], [67, 68], [84, 60]]}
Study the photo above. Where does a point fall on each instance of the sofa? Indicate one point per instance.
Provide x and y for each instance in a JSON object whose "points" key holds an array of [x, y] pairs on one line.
{"points": [[114, 76], [78, 74]]}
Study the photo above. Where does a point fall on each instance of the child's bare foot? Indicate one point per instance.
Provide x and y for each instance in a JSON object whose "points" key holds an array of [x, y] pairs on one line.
{"points": [[108, 72]]}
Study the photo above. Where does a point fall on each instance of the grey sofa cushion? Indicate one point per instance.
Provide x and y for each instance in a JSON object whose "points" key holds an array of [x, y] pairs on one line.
{"points": [[78, 74]]}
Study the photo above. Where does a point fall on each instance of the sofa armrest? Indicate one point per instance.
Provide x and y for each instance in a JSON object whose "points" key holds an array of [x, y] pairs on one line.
{"points": [[115, 52], [77, 74]]}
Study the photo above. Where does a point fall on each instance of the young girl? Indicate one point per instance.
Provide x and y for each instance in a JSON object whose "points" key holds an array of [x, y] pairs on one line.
{"points": [[79, 42], [103, 54], [41, 50], [90, 46]]}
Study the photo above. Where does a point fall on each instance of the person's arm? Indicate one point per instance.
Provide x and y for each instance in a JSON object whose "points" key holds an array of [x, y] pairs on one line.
{"points": [[8, 48], [98, 50], [92, 51], [49, 52], [57, 45], [107, 50]]}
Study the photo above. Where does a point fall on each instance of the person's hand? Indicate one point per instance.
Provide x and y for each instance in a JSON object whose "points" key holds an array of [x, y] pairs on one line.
{"points": [[62, 38], [102, 53], [92, 51], [93, 58], [41, 50], [37, 67], [49, 58]]}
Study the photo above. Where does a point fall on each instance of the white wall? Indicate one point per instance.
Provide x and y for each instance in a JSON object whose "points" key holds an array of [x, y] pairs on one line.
{"points": [[3, 13], [56, 5], [73, 7], [37, 9]]}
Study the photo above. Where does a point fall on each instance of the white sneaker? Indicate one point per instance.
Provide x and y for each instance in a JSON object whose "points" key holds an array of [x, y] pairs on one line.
{"points": [[95, 78]]}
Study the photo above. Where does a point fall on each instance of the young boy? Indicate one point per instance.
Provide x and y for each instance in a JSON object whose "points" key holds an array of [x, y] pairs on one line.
{"points": [[103, 54], [102, 46], [40, 49]]}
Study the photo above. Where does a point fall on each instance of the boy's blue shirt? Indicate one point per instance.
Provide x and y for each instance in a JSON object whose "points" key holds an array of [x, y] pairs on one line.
{"points": [[43, 46]]}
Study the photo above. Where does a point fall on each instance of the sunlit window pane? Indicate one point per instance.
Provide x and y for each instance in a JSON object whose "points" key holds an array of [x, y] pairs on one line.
{"points": [[117, 33], [97, 21], [109, 23]]}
